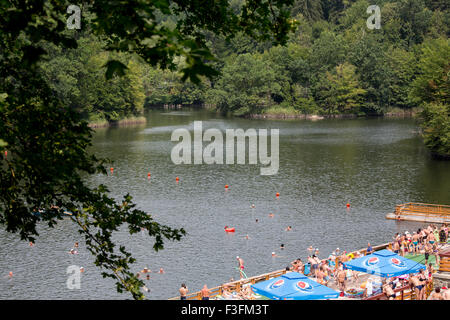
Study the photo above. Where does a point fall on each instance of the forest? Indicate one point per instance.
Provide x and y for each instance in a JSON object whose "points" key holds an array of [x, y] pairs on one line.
{"points": [[332, 64]]}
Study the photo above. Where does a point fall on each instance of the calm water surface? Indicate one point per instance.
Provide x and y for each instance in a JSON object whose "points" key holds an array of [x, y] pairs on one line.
{"points": [[372, 163]]}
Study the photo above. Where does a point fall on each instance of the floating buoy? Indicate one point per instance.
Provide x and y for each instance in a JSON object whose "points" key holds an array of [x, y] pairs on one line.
{"points": [[177, 179], [112, 170], [6, 153], [148, 175], [229, 229], [348, 205], [278, 194], [226, 186]]}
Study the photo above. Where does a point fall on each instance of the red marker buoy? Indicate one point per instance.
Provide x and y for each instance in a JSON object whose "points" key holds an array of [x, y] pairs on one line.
{"points": [[278, 194], [148, 175], [227, 229], [177, 179], [348, 205], [112, 170], [226, 186], [6, 153]]}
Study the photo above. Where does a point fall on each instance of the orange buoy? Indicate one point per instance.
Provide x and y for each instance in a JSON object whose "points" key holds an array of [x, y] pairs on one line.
{"points": [[226, 186], [348, 205], [177, 179], [148, 175], [278, 194], [112, 170]]}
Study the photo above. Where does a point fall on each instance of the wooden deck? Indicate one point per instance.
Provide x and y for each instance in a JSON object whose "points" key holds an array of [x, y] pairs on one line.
{"points": [[421, 212], [237, 285]]}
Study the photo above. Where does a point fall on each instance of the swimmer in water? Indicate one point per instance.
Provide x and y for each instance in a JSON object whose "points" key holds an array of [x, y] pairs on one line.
{"points": [[148, 277], [161, 270], [252, 206], [289, 228], [81, 269], [282, 246], [76, 245], [271, 215], [256, 220], [146, 270], [247, 237]]}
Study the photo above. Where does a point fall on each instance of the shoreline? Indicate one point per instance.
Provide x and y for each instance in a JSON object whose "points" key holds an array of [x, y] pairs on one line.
{"points": [[119, 123], [314, 117]]}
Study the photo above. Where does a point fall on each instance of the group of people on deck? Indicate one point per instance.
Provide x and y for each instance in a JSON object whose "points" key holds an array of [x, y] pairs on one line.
{"points": [[426, 241]]}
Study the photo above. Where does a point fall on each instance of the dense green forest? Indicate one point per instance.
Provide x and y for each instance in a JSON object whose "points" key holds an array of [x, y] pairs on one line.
{"points": [[332, 64]]}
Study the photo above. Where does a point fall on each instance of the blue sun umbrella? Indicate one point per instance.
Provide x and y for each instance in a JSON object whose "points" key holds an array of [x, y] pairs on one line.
{"points": [[294, 286], [384, 263]]}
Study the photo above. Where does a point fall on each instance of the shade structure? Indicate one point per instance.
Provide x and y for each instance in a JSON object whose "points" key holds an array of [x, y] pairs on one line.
{"points": [[294, 286], [384, 263]]}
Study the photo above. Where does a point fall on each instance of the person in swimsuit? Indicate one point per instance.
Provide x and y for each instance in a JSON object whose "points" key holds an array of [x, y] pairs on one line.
{"points": [[431, 238], [421, 287], [388, 291], [340, 277], [183, 291], [415, 285], [241, 267], [428, 251], [436, 295], [205, 293]]}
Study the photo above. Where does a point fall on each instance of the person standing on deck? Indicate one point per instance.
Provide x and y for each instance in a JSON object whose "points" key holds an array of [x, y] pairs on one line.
{"points": [[369, 249], [205, 293], [183, 291], [241, 267], [428, 251]]}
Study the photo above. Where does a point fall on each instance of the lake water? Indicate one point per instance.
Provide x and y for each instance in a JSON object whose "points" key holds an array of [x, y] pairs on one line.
{"points": [[373, 164]]}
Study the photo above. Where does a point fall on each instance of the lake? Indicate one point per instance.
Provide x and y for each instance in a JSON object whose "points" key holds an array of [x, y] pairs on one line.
{"points": [[373, 164]]}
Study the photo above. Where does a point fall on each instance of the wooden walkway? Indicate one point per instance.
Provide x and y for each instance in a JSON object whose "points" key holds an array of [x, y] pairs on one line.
{"points": [[421, 212]]}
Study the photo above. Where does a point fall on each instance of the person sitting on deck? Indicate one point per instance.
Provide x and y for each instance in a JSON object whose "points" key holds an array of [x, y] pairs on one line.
{"points": [[387, 290], [436, 295]]}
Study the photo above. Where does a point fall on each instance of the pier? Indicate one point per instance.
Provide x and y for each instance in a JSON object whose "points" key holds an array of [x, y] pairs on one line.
{"points": [[421, 212]]}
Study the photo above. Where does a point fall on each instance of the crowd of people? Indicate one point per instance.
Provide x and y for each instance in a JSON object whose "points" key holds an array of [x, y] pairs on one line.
{"points": [[425, 241], [331, 271]]}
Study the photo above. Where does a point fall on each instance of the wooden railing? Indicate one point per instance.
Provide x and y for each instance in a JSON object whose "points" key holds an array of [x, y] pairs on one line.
{"points": [[424, 209], [444, 264], [404, 293], [237, 285]]}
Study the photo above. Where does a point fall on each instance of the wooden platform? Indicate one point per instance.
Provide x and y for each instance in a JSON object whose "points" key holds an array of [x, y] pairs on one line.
{"points": [[421, 212]]}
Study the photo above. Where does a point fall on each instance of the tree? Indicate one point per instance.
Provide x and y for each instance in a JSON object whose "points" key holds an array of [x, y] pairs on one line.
{"points": [[248, 84], [340, 91], [432, 84], [435, 120], [431, 88], [46, 139]]}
